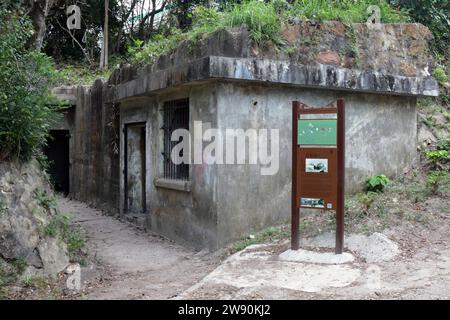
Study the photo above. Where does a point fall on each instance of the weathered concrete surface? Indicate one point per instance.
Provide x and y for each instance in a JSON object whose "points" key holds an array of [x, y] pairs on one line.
{"points": [[94, 133], [188, 216], [388, 58], [373, 249], [421, 271], [315, 257], [237, 271], [380, 138], [278, 71]]}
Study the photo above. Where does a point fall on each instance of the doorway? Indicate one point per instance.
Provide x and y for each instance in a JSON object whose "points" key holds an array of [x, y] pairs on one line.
{"points": [[135, 168], [57, 152]]}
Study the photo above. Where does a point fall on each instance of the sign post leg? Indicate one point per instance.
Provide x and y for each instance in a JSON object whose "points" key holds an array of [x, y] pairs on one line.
{"points": [[295, 212], [295, 237], [341, 178]]}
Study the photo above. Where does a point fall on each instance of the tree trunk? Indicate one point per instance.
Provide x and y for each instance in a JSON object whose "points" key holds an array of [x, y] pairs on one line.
{"points": [[37, 10], [104, 62]]}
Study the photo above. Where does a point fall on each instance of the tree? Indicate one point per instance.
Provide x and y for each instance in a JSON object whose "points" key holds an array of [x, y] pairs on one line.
{"points": [[25, 80], [105, 43]]}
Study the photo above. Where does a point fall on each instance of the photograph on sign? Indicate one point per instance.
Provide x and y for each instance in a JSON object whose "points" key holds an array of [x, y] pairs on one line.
{"points": [[312, 203], [316, 165], [317, 132]]}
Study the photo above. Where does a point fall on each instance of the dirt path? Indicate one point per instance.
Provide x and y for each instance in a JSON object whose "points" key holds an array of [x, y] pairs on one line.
{"points": [[127, 263]]}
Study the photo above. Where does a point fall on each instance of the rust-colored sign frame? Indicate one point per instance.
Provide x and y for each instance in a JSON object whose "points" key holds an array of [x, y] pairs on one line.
{"points": [[329, 184]]}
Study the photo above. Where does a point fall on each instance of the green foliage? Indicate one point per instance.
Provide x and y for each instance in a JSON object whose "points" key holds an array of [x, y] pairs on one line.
{"points": [[58, 226], [273, 233], [35, 282], [79, 73], [434, 14], [436, 180], [9, 274], [263, 23], [43, 161], [45, 199], [377, 183], [440, 75], [366, 200], [417, 192], [436, 155], [25, 81], [155, 47], [262, 20], [19, 265], [444, 144], [347, 11]]}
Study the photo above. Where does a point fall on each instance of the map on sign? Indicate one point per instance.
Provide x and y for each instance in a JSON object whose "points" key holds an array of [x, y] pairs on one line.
{"points": [[317, 132]]}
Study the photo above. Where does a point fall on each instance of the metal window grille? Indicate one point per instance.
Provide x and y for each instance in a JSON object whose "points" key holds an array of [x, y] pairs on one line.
{"points": [[175, 116]]}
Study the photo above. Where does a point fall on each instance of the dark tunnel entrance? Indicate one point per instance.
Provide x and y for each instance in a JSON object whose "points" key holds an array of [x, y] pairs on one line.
{"points": [[57, 152]]}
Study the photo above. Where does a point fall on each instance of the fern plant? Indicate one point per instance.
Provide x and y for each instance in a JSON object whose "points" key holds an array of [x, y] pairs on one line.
{"points": [[377, 183]]}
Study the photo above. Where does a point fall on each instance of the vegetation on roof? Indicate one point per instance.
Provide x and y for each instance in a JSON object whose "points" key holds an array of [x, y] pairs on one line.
{"points": [[263, 20]]}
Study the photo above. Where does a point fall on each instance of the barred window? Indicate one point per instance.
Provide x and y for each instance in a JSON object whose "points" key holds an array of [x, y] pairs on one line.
{"points": [[175, 116]]}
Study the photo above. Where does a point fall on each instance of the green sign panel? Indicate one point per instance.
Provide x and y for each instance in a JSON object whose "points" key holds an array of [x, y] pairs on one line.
{"points": [[317, 132]]}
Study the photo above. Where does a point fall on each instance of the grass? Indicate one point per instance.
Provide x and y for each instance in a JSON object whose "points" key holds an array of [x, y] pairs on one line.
{"points": [[9, 274], [272, 234], [407, 199], [59, 226], [346, 11], [45, 199], [262, 20], [81, 74]]}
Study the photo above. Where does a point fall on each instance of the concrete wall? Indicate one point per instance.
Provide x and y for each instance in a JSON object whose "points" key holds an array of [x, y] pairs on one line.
{"points": [[94, 158], [380, 139], [182, 211]]}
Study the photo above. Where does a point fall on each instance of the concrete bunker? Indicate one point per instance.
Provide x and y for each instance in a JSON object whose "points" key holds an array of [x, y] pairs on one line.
{"points": [[121, 128]]}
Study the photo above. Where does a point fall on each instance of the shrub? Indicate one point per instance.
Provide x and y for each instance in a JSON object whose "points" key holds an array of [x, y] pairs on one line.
{"points": [[25, 80], [435, 15], [377, 183], [440, 75], [437, 179], [366, 200], [444, 144], [58, 226], [46, 200], [436, 155]]}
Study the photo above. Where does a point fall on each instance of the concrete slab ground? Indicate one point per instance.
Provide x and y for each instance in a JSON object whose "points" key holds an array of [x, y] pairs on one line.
{"points": [[316, 257], [258, 266], [313, 270]]}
